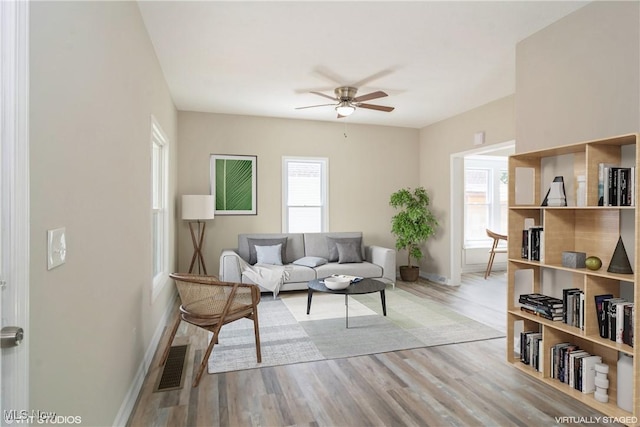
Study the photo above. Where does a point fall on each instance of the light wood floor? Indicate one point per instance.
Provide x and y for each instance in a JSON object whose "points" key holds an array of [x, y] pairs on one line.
{"points": [[466, 384]]}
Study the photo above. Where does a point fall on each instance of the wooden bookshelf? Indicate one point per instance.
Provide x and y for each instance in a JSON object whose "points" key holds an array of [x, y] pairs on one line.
{"points": [[591, 229]]}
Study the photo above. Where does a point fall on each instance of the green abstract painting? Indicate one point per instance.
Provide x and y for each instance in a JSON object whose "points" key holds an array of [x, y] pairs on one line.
{"points": [[233, 183]]}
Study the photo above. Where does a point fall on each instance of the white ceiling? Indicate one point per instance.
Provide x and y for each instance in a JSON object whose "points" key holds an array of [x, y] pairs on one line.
{"points": [[433, 59]]}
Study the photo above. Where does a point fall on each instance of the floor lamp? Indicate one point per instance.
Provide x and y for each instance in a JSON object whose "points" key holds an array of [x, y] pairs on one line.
{"points": [[196, 209]]}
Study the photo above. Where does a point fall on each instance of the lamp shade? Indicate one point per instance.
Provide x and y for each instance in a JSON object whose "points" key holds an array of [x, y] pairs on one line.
{"points": [[197, 207], [345, 108]]}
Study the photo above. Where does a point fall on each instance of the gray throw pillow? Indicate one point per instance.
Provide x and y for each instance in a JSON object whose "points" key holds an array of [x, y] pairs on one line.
{"points": [[253, 242], [310, 261], [348, 252], [333, 250], [269, 254]]}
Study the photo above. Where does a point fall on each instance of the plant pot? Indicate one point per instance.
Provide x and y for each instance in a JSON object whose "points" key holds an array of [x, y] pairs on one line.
{"points": [[409, 274]]}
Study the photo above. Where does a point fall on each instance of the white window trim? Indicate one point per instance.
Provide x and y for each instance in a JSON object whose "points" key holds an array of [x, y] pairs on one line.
{"points": [[325, 189], [159, 281], [494, 164]]}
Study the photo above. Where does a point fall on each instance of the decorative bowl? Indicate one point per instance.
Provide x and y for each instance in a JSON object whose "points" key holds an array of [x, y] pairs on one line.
{"points": [[336, 283]]}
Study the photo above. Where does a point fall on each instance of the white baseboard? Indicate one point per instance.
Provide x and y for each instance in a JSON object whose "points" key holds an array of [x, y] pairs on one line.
{"points": [[481, 268], [136, 385], [437, 278]]}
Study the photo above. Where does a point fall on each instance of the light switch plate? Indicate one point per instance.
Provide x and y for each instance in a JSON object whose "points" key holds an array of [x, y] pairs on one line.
{"points": [[56, 247], [478, 138]]}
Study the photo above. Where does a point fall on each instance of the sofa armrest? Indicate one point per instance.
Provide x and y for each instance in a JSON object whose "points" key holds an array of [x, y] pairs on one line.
{"points": [[385, 258], [230, 266]]}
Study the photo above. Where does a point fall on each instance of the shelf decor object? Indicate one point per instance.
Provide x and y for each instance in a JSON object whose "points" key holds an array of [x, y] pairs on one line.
{"points": [[556, 195], [620, 261], [573, 259], [196, 209], [592, 299], [602, 383]]}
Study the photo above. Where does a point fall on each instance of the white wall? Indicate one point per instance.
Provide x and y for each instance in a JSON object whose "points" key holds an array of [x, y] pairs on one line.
{"points": [[95, 81], [364, 169], [579, 78]]}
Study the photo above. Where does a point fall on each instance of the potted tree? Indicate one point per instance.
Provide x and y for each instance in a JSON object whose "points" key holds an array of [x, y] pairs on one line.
{"points": [[412, 226]]}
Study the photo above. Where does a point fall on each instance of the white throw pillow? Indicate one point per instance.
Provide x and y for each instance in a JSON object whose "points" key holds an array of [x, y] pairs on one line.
{"points": [[269, 254]]}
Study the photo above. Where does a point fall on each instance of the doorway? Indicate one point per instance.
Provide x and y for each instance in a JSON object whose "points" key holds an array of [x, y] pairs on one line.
{"points": [[468, 255]]}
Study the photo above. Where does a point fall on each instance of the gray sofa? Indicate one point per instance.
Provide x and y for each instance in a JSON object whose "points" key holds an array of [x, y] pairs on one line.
{"points": [[377, 262]]}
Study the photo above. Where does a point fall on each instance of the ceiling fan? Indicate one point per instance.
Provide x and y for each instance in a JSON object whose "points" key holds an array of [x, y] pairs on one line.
{"points": [[347, 101]]}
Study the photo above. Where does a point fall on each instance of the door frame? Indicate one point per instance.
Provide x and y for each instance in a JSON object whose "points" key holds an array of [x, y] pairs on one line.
{"points": [[457, 203], [14, 202]]}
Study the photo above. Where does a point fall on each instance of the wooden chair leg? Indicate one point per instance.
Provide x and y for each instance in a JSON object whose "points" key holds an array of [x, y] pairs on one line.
{"points": [[171, 337], [256, 331], [205, 358], [489, 265]]}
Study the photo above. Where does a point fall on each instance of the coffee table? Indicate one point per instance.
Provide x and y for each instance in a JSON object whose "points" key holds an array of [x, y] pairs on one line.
{"points": [[364, 286]]}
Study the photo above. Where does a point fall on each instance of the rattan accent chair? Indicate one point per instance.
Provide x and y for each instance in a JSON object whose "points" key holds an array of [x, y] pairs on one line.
{"points": [[210, 304]]}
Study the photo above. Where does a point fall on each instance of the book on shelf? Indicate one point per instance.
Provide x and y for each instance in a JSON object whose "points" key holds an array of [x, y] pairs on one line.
{"points": [[573, 366], [616, 185], [540, 299], [573, 301], [627, 332], [615, 319], [612, 311], [542, 305], [574, 358], [530, 348], [541, 312], [620, 309], [533, 243], [599, 304]]}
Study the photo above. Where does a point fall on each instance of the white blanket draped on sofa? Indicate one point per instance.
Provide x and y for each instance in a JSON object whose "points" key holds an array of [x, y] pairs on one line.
{"points": [[268, 276]]}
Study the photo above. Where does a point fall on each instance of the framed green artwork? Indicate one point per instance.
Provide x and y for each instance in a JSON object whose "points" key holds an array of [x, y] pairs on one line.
{"points": [[233, 184]]}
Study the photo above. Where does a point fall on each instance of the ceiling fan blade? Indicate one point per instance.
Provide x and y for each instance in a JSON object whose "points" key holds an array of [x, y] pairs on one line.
{"points": [[376, 107], [372, 77], [372, 95], [326, 96], [314, 106]]}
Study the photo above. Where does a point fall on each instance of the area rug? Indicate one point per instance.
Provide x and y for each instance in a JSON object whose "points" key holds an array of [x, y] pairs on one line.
{"points": [[289, 335]]}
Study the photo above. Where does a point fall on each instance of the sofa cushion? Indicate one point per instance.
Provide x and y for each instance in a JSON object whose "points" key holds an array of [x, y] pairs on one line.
{"points": [[310, 261], [296, 274], [348, 252], [299, 273], [294, 246], [253, 242], [316, 244], [333, 248], [269, 254]]}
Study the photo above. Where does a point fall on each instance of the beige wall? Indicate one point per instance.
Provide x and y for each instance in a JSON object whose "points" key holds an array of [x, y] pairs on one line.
{"points": [[364, 169], [437, 143], [578, 79], [95, 81]]}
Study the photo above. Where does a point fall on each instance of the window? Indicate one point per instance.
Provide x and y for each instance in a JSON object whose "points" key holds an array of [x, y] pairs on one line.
{"points": [[304, 195], [485, 199], [159, 174]]}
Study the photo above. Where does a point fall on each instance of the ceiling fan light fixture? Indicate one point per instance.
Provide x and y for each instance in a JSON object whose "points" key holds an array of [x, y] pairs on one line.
{"points": [[345, 108]]}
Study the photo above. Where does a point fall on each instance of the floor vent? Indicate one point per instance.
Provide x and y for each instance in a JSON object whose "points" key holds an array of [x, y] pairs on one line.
{"points": [[172, 376]]}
